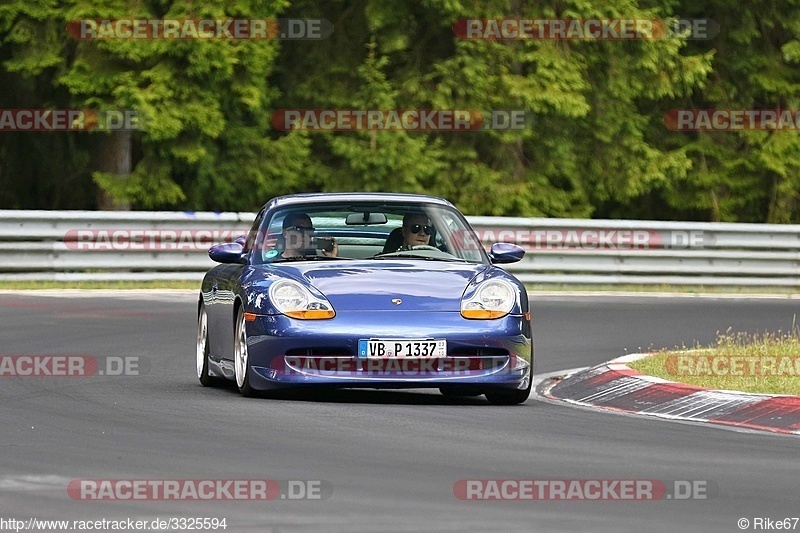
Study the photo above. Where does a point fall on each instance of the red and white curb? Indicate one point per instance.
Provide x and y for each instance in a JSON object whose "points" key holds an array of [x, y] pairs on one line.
{"points": [[617, 387]]}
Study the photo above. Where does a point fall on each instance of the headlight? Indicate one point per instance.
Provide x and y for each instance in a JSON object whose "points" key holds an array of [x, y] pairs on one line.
{"points": [[294, 300], [493, 299]]}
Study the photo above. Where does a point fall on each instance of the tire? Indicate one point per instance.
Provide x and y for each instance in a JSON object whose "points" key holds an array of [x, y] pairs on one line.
{"points": [[241, 363], [459, 392], [511, 397], [201, 356]]}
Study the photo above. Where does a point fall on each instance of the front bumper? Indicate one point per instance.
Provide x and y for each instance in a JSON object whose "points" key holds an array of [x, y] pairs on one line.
{"points": [[285, 352]]}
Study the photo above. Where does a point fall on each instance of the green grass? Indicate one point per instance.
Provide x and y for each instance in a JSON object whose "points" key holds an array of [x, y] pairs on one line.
{"points": [[161, 284], [767, 363]]}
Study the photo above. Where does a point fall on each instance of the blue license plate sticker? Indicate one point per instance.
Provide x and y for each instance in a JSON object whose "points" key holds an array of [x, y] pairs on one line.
{"points": [[362, 348]]}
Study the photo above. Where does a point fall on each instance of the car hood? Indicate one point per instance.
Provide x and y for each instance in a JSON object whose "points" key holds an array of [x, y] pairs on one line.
{"points": [[377, 285]]}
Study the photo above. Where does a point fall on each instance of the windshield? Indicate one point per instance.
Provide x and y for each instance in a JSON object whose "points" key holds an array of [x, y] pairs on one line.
{"points": [[353, 230]]}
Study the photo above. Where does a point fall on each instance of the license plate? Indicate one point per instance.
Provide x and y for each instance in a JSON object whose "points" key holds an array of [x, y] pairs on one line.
{"points": [[402, 348]]}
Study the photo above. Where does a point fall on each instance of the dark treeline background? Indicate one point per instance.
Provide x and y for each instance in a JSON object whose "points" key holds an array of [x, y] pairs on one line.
{"points": [[598, 148]]}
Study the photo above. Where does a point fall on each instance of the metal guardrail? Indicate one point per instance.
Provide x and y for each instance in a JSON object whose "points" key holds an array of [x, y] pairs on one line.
{"points": [[48, 245]]}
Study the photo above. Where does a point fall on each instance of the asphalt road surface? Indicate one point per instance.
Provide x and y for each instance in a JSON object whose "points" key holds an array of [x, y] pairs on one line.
{"points": [[387, 460]]}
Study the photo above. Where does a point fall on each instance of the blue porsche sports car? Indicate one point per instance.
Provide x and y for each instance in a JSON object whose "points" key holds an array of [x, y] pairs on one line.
{"points": [[365, 290]]}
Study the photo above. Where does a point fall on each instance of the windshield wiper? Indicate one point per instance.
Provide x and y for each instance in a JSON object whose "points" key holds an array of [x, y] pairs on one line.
{"points": [[312, 258], [415, 256]]}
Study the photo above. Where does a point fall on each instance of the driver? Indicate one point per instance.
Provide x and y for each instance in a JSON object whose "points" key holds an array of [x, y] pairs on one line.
{"points": [[297, 233], [416, 230]]}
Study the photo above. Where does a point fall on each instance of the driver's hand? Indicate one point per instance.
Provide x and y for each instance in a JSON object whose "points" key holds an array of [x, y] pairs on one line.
{"points": [[335, 251]]}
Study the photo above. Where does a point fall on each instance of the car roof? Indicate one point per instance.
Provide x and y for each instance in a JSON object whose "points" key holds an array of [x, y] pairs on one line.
{"points": [[325, 198]]}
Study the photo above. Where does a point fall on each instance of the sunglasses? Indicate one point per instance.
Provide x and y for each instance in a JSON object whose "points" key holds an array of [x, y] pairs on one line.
{"points": [[416, 228], [302, 229]]}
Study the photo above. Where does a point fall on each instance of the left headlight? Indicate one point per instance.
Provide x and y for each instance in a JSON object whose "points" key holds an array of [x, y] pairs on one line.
{"points": [[492, 299], [296, 301]]}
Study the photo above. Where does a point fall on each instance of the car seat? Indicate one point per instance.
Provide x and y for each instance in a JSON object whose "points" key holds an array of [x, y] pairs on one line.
{"points": [[394, 241]]}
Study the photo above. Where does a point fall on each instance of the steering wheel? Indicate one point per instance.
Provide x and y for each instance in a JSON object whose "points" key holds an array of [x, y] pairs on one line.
{"points": [[424, 247]]}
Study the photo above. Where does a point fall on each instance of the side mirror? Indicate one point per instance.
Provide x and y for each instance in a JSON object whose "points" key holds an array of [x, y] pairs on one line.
{"points": [[227, 252], [505, 252]]}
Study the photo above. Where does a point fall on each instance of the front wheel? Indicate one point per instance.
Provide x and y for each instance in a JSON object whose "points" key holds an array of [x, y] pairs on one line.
{"points": [[459, 392], [511, 397], [241, 364], [202, 349]]}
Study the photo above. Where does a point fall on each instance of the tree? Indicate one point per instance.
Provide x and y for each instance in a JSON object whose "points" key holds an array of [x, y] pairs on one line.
{"points": [[591, 101], [204, 103], [747, 176]]}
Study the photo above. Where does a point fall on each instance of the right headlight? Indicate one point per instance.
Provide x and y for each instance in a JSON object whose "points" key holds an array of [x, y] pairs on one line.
{"points": [[492, 299], [296, 301]]}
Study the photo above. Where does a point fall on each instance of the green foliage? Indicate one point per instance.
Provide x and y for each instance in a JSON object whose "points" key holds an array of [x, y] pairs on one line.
{"points": [[744, 176], [204, 104], [592, 102], [597, 145]]}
